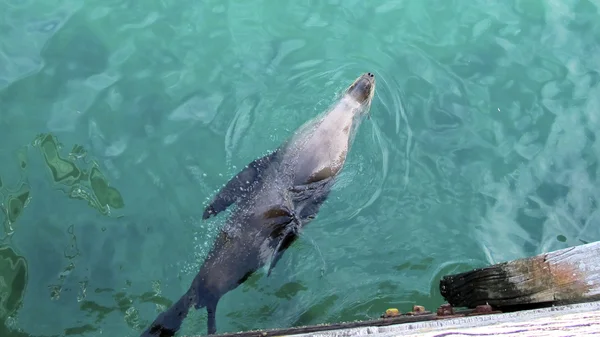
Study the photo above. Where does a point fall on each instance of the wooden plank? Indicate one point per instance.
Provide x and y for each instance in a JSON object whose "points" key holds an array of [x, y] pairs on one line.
{"points": [[577, 319], [521, 324], [341, 326], [570, 275]]}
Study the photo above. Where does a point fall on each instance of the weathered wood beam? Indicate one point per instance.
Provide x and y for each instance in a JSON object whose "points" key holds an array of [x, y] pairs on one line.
{"points": [[566, 321], [343, 326], [570, 275], [578, 319]]}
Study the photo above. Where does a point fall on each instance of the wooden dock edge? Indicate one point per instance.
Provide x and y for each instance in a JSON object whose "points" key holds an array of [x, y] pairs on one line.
{"points": [[573, 320], [581, 319]]}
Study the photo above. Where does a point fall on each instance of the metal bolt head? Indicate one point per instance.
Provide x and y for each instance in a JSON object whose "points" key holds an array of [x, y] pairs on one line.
{"points": [[418, 309], [445, 310], [484, 308]]}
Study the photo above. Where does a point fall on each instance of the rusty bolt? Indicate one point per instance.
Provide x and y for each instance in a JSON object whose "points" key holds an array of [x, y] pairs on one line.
{"points": [[418, 309], [445, 310], [484, 308]]}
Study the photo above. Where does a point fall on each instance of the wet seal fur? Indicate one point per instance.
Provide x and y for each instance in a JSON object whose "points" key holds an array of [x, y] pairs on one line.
{"points": [[276, 196]]}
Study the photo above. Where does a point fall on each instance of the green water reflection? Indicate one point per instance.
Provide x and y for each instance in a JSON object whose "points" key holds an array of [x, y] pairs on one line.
{"points": [[84, 180], [482, 146]]}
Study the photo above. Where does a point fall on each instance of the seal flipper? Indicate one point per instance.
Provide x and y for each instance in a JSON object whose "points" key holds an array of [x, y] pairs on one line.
{"points": [[286, 231], [316, 193], [237, 187], [211, 310], [285, 243], [205, 299], [169, 322]]}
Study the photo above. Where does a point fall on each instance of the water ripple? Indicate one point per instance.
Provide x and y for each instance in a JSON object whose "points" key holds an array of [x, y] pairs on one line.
{"points": [[26, 31], [482, 146]]}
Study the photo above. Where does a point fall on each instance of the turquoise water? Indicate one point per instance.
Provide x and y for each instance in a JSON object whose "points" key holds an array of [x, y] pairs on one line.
{"points": [[120, 119]]}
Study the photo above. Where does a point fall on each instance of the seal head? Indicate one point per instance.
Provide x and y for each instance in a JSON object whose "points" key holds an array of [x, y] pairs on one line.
{"points": [[362, 89]]}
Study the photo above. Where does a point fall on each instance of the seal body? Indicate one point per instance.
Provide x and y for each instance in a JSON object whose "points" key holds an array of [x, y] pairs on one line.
{"points": [[275, 196]]}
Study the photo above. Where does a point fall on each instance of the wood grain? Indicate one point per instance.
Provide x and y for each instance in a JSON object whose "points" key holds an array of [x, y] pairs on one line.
{"points": [[568, 320], [570, 275], [572, 324]]}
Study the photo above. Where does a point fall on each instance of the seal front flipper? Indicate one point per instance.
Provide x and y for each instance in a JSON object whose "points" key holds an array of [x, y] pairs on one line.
{"points": [[285, 231], [285, 243], [239, 186], [312, 197]]}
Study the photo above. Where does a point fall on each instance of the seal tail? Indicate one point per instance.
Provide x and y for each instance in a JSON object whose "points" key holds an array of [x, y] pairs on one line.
{"points": [[169, 322]]}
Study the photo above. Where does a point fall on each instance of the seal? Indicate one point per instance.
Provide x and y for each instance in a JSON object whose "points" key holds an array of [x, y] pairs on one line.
{"points": [[276, 196]]}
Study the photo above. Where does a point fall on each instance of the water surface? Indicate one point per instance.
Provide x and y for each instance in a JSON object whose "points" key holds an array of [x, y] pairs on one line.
{"points": [[120, 119]]}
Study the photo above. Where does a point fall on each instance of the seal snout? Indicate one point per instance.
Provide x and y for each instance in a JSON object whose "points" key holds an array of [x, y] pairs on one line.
{"points": [[363, 88]]}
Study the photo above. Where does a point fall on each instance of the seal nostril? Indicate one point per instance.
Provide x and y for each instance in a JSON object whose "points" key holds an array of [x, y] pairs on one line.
{"points": [[370, 74]]}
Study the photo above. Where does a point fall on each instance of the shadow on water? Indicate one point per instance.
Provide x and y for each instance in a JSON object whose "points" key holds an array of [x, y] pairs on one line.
{"points": [[14, 275], [78, 178], [80, 83], [72, 54], [73, 175], [81, 179]]}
